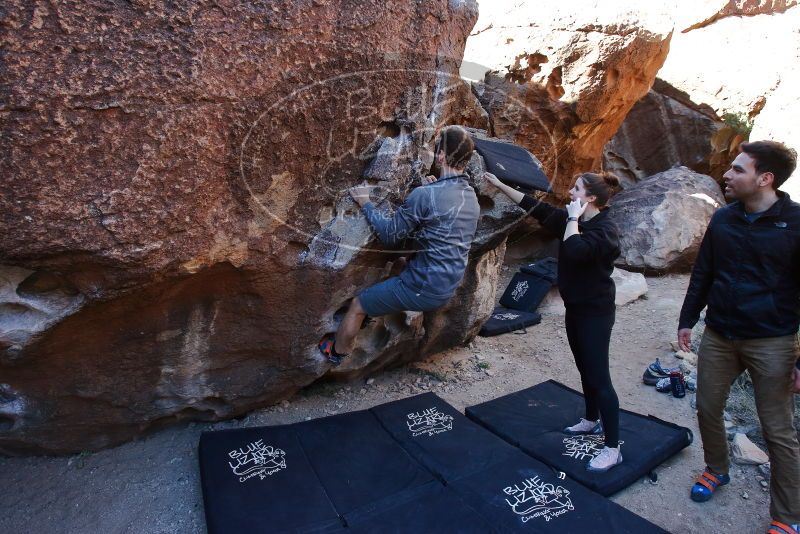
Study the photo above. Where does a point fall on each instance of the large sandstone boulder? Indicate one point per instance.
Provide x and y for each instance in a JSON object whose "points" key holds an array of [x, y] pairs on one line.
{"points": [[743, 8], [664, 129], [780, 120], [663, 218], [572, 76], [745, 65], [175, 227], [709, 54]]}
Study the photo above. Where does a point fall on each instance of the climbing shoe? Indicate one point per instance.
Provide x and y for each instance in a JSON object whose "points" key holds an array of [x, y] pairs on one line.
{"points": [[707, 484]]}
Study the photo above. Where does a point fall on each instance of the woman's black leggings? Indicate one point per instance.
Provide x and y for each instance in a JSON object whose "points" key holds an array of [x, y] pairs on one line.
{"points": [[589, 338]]}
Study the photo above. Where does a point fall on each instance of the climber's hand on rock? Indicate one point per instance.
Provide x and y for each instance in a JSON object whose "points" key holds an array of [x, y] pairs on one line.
{"points": [[360, 194], [428, 179]]}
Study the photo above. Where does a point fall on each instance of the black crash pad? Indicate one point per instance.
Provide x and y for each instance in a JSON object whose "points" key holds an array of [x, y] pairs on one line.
{"points": [[357, 461], [413, 465], [525, 292], [533, 420], [429, 508], [546, 268], [522, 494], [259, 480], [504, 320], [440, 437], [513, 165]]}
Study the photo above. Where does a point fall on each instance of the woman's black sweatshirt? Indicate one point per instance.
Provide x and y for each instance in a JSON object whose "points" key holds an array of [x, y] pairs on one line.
{"points": [[585, 260]]}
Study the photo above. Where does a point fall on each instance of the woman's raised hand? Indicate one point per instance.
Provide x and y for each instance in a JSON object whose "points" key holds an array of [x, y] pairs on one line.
{"points": [[576, 208]]}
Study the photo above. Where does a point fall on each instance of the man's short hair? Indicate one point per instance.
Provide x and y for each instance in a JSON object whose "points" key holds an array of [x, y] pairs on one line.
{"points": [[457, 145], [771, 156]]}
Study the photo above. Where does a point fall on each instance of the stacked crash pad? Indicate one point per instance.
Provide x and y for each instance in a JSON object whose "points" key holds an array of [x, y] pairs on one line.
{"points": [[413, 465], [527, 289], [517, 167]]}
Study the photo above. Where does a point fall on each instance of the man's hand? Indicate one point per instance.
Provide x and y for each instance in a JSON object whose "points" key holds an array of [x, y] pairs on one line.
{"points": [[576, 208], [685, 339], [796, 380], [428, 179], [360, 194]]}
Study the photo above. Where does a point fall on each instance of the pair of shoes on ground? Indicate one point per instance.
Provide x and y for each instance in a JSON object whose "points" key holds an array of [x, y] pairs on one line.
{"points": [[664, 385], [608, 456], [676, 385], [709, 482], [656, 372]]}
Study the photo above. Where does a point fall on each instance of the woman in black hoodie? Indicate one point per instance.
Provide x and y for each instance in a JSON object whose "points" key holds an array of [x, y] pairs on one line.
{"points": [[586, 255]]}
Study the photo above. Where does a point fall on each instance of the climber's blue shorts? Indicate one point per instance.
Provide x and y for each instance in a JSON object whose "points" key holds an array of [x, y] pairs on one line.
{"points": [[392, 296]]}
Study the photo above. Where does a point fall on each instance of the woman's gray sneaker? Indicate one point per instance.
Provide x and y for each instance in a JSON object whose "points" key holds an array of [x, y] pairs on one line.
{"points": [[584, 426], [608, 458]]}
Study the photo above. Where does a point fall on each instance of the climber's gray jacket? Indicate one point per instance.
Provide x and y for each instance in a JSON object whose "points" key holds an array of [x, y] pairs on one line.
{"points": [[442, 218]]}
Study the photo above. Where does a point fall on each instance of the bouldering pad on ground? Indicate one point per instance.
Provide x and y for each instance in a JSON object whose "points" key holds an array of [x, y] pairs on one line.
{"points": [[505, 320], [533, 420]]}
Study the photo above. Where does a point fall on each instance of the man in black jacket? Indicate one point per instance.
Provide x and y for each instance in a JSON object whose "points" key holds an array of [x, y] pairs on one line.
{"points": [[748, 274]]}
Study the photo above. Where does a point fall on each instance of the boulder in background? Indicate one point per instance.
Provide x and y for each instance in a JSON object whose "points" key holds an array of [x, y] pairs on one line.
{"points": [[663, 218]]}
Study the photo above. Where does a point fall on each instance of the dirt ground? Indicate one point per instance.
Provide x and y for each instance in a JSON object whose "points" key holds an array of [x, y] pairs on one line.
{"points": [[152, 485]]}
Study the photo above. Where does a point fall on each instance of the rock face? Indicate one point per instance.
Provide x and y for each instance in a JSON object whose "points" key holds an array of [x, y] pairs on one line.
{"points": [[664, 129], [573, 75], [716, 63], [744, 8], [175, 227], [663, 219], [706, 62], [527, 116], [629, 286], [780, 120]]}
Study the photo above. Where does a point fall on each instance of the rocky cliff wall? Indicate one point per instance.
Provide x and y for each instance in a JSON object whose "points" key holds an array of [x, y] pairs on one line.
{"points": [[175, 229]]}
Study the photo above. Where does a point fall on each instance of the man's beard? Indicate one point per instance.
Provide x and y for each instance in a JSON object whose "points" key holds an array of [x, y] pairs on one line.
{"points": [[729, 194]]}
